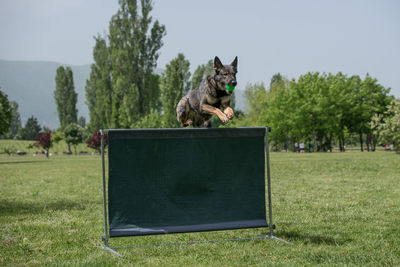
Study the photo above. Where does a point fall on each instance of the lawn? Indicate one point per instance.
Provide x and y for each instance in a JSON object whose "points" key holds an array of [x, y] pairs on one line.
{"points": [[335, 209]]}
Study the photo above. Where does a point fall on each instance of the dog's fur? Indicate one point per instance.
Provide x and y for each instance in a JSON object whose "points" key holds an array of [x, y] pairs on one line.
{"points": [[200, 104]]}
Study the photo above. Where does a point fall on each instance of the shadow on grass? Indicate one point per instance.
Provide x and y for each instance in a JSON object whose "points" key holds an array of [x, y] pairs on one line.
{"points": [[314, 239], [22, 208]]}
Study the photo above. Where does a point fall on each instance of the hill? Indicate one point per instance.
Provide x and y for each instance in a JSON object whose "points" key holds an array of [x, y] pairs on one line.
{"points": [[31, 84]]}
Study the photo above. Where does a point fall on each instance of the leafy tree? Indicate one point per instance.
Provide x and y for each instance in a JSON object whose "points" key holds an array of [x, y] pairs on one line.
{"points": [[134, 46], [99, 87], [14, 132], [387, 126], [95, 141], [5, 113], [82, 121], [31, 129], [255, 96], [277, 112], [44, 140], [376, 102], [314, 110], [200, 73], [65, 97], [57, 137], [340, 91], [151, 120], [174, 81], [72, 135], [368, 99], [276, 79]]}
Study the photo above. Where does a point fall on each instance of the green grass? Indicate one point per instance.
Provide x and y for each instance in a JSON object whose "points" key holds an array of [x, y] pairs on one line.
{"points": [[336, 209], [24, 145]]}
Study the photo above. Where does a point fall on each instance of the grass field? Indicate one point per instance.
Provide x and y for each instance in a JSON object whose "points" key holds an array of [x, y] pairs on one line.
{"points": [[335, 209]]}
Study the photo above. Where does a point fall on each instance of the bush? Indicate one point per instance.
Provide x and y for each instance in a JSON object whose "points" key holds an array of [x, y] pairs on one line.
{"points": [[95, 141], [9, 150], [43, 140]]}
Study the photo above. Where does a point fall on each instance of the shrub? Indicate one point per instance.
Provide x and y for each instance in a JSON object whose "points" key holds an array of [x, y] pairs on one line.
{"points": [[95, 141], [43, 140]]}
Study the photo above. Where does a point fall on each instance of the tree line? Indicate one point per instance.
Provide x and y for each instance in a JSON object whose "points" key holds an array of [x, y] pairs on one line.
{"points": [[322, 110]]}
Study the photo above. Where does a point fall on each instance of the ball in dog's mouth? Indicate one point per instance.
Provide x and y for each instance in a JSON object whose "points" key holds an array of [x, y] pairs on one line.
{"points": [[229, 89]]}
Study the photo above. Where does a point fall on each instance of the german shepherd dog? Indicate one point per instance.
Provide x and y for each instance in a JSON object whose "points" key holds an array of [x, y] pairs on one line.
{"points": [[213, 93]]}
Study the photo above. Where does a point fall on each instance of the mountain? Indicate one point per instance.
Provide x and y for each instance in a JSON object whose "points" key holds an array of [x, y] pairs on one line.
{"points": [[32, 83]]}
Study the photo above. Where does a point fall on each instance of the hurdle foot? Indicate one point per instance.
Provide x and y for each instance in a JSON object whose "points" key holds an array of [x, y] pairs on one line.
{"points": [[110, 250]]}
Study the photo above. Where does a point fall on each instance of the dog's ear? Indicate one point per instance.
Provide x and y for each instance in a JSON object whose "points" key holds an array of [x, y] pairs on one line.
{"points": [[217, 64], [234, 63]]}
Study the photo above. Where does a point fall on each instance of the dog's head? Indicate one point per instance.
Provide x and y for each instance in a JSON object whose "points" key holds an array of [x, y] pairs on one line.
{"points": [[225, 75]]}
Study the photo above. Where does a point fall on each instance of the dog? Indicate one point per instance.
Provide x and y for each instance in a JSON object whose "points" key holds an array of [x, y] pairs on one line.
{"points": [[214, 92]]}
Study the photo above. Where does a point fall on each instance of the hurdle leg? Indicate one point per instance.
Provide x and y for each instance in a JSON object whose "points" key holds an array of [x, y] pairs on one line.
{"points": [[270, 224], [105, 237]]}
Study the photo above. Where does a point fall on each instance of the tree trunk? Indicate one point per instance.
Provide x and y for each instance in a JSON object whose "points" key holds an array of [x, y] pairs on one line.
{"points": [[47, 153], [287, 142], [361, 142], [343, 149], [315, 143], [320, 141]]}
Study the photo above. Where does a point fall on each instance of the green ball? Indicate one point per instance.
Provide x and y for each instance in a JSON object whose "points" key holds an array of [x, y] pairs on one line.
{"points": [[230, 88]]}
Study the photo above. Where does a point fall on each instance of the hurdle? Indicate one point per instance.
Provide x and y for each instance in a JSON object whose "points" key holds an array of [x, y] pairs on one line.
{"points": [[168, 181]]}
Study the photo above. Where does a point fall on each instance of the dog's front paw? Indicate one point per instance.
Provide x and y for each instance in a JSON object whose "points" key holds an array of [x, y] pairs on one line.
{"points": [[187, 123], [229, 113], [224, 118]]}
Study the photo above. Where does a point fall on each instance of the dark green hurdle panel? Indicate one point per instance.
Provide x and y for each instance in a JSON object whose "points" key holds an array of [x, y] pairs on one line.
{"points": [[185, 180]]}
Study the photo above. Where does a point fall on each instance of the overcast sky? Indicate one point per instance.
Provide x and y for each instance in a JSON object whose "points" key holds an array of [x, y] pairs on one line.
{"points": [[290, 37]]}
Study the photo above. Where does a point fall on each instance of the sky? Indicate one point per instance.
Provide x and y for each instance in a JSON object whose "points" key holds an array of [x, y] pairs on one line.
{"points": [[291, 37]]}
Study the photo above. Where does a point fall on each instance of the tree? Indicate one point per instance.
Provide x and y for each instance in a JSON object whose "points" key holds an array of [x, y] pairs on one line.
{"points": [[255, 96], [369, 99], [99, 87], [377, 101], [65, 97], [201, 72], [174, 81], [31, 129], [387, 126], [72, 135], [277, 111], [313, 110], [134, 46], [14, 132], [44, 140], [276, 79], [82, 121], [57, 137], [16, 126], [5, 113], [95, 141]]}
